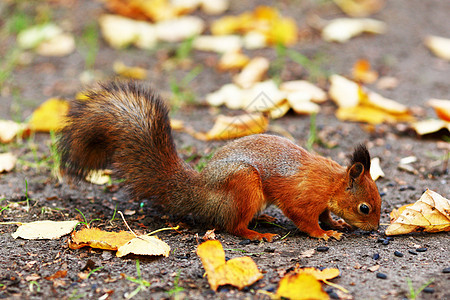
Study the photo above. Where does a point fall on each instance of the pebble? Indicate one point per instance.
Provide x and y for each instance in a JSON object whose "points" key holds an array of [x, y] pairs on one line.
{"points": [[245, 242], [322, 249], [398, 253], [421, 249], [428, 290], [406, 187], [412, 252], [381, 276], [385, 242], [376, 256], [446, 270], [332, 294]]}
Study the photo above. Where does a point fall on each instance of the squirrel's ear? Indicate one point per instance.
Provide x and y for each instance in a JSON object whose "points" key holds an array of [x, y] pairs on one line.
{"points": [[355, 171]]}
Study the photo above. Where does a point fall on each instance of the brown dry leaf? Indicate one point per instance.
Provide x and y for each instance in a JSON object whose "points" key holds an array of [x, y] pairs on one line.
{"points": [[144, 245], [362, 72], [233, 127], [360, 8], [97, 238], [57, 275], [300, 286], [209, 235], [431, 213], [440, 46], [10, 129], [50, 116], [239, 272], [130, 72], [44, 229], [7, 162]]}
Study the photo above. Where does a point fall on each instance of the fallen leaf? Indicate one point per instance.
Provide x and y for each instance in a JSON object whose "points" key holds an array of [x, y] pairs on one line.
{"points": [[343, 29], [431, 213], [370, 115], [233, 127], [441, 107], [179, 29], [130, 72], [396, 212], [263, 96], [57, 275], [430, 126], [300, 286], [234, 60], [253, 72], [61, 45], [360, 8], [7, 162], [440, 46], [308, 253], [375, 169], [209, 235], [144, 245], [374, 268], [316, 94], [362, 72], [219, 44], [97, 238], [215, 7], [49, 116], [33, 36], [40, 230], [9, 130], [239, 272]]}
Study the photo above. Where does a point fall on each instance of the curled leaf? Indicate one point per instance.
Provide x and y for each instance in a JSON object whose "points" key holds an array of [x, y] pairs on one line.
{"points": [[440, 46], [144, 245], [343, 29], [44, 230], [431, 213]]}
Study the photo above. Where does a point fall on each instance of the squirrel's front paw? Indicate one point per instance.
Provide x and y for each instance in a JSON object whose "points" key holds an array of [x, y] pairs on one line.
{"points": [[327, 234]]}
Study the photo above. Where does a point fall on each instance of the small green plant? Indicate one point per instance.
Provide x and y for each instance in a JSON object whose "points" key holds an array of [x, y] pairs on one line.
{"points": [[184, 49], [180, 88], [414, 293], [27, 198], [203, 161], [312, 137], [75, 295], [89, 45], [86, 223], [93, 271], [142, 284], [312, 66], [176, 288]]}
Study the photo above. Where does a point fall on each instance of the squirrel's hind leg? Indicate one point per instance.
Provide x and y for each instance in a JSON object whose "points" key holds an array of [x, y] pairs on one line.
{"points": [[245, 187]]}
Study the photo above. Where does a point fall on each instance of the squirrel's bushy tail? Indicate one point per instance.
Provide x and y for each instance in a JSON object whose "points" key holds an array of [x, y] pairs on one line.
{"points": [[124, 125]]}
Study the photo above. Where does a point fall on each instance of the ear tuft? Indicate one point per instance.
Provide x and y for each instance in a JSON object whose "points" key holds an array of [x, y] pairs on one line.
{"points": [[361, 155]]}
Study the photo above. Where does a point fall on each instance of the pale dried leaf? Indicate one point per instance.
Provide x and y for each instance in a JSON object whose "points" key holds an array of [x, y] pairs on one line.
{"points": [[47, 230], [35, 35], [232, 61], [215, 7], [219, 44], [144, 245], [430, 126], [360, 8], [9, 130], [179, 29], [344, 92], [431, 213], [441, 107], [316, 94], [375, 169], [99, 177], [263, 96], [440, 46], [253, 72], [61, 45], [343, 29], [7, 162]]}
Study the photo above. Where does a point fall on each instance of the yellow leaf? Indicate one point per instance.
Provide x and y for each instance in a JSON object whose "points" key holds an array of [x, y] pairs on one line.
{"points": [[97, 238], [234, 127], [131, 72], [225, 26], [44, 229], [232, 60], [430, 126], [283, 31], [144, 245], [300, 286], [239, 272], [431, 213], [49, 116], [370, 115]]}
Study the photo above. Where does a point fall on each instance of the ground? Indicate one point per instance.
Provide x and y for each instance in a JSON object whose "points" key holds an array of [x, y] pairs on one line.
{"points": [[399, 53]]}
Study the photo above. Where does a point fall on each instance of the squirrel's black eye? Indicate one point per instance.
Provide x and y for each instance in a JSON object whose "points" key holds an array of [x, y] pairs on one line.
{"points": [[363, 208]]}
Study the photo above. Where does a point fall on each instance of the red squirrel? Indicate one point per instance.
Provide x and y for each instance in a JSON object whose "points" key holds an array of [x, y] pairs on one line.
{"points": [[126, 125]]}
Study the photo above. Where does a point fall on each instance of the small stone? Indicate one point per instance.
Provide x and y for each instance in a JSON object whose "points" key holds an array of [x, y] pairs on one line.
{"points": [[446, 270], [376, 256], [428, 290], [412, 252], [385, 242], [245, 242], [322, 249], [381, 276], [380, 240], [421, 249], [389, 238], [398, 253]]}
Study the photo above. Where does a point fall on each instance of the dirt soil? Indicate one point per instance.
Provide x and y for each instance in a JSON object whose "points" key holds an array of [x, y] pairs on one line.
{"points": [[25, 264]]}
